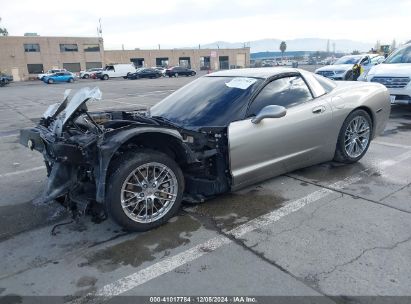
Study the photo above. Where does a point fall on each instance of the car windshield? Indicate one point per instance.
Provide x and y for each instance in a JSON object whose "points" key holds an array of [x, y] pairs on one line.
{"points": [[207, 102], [348, 60], [400, 56]]}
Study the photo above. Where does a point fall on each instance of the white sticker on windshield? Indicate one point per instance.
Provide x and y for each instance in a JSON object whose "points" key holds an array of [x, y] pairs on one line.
{"points": [[241, 83]]}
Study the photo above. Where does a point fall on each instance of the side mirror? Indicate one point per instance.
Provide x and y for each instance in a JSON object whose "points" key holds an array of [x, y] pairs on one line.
{"points": [[272, 111]]}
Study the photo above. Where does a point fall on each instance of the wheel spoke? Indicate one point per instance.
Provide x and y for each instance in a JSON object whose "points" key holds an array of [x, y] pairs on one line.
{"points": [[167, 193], [130, 198]]}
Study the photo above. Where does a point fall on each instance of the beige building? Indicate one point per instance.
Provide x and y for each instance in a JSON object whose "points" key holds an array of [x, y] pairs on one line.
{"points": [[197, 59], [26, 56]]}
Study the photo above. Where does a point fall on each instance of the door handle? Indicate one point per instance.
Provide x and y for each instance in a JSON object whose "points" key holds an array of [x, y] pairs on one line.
{"points": [[319, 109]]}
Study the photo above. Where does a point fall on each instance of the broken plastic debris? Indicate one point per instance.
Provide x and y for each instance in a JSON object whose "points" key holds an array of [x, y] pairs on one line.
{"points": [[242, 83]]}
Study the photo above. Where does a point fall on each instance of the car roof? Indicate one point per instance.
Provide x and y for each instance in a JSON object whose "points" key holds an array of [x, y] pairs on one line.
{"points": [[254, 72]]}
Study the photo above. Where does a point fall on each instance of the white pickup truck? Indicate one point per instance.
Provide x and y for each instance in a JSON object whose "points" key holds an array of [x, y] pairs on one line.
{"points": [[395, 74]]}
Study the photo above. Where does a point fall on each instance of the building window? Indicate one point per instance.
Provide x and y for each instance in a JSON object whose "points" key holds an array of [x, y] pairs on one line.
{"points": [[224, 65], [36, 68], [162, 61], [72, 67], [138, 62], [32, 47], [93, 65], [68, 48], [205, 63], [184, 62], [91, 48]]}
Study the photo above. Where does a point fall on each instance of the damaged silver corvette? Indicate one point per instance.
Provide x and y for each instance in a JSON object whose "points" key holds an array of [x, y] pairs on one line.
{"points": [[217, 134]]}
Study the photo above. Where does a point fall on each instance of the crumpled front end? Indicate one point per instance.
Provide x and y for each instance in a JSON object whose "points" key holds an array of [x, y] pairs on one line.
{"points": [[68, 148]]}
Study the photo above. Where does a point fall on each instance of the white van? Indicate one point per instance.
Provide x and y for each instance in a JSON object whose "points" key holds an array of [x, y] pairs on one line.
{"points": [[117, 70]]}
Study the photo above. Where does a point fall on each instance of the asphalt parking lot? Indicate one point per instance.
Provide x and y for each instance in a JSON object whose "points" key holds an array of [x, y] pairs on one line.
{"points": [[339, 231]]}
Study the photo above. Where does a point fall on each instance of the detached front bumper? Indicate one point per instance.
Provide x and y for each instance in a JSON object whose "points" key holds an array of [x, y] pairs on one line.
{"points": [[35, 139], [66, 164]]}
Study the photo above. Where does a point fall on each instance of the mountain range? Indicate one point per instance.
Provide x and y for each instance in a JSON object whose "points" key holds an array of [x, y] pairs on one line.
{"points": [[301, 44]]}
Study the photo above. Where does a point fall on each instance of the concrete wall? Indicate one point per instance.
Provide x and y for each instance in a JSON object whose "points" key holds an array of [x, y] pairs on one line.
{"points": [[14, 59]]}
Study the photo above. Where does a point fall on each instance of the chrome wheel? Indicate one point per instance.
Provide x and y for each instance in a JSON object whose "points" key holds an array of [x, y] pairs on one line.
{"points": [[357, 136], [149, 192]]}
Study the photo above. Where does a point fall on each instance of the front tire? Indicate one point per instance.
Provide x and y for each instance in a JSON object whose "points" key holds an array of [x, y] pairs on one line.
{"points": [[349, 75], [354, 137], [145, 190], [105, 77], [71, 80], [50, 81]]}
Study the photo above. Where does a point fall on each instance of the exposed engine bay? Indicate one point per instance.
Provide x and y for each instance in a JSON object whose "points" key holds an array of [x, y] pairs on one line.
{"points": [[80, 147]]}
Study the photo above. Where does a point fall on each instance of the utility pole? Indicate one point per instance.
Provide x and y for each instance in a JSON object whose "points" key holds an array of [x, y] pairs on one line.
{"points": [[99, 29]]}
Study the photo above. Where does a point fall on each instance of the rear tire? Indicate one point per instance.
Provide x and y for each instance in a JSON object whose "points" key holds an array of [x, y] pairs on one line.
{"points": [[125, 190], [354, 137], [71, 80], [86, 76]]}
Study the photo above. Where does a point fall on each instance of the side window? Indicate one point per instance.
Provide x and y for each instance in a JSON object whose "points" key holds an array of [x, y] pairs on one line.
{"points": [[286, 92]]}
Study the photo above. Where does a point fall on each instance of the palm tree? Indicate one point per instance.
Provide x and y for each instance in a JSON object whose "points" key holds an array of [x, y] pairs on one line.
{"points": [[283, 47]]}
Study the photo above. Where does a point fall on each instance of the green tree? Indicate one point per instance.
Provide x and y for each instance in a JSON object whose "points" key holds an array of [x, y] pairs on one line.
{"points": [[283, 47], [3, 31]]}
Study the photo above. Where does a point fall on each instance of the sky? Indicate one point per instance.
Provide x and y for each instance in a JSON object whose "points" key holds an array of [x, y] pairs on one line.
{"points": [[184, 23]]}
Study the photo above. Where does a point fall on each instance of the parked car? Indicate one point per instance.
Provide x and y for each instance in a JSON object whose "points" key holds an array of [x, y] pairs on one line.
{"points": [[342, 69], [179, 71], [162, 70], [395, 74], [219, 133], [96, 75], [116, 70], [59, 77], [86, 74], [50, 72], [5, 79], [375, 59], [144, 73]]}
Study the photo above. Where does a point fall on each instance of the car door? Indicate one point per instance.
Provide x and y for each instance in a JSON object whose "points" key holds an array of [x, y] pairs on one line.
{"points": [[278, 145], [149, 73], [59, 77]]}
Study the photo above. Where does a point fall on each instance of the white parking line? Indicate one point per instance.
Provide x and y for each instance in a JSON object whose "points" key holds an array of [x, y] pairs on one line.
{"points": [[384, 143], [22, 171], [140, 277], [11, 135]]}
